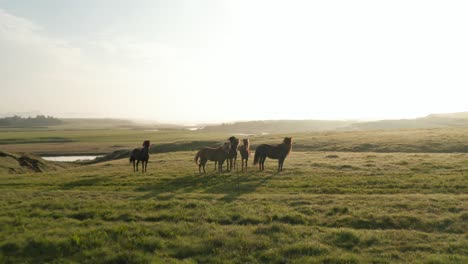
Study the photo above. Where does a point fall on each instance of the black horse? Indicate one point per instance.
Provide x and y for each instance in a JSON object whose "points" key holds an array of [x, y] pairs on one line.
{"points": [[232, 155], [279, 152], [140, 154]]}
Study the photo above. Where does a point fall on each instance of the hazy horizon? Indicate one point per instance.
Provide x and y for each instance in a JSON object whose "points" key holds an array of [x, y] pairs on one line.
{"points": [[222, 61]]}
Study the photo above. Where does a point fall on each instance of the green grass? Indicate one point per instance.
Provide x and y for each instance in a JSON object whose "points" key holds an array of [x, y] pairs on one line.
{"points": [[102, 141], [326, 207]]}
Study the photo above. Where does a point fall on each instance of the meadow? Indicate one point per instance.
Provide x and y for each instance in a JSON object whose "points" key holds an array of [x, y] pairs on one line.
{"points": [[344, 197]]}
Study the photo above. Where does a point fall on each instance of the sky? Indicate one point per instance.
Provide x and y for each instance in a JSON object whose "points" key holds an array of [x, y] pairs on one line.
{"points": [[215, 61]]}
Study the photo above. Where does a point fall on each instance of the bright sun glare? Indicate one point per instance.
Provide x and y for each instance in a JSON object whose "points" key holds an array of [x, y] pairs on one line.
{"points": [[181, 61]]}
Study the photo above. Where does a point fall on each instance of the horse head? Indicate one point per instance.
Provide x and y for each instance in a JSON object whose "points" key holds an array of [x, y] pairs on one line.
{"points": [[234, 141], [146, 143]]}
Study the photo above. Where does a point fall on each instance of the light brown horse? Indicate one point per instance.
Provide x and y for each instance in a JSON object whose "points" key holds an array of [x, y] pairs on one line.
{"points": [[245, 152], [218, 155], [279, 152], [140, 155]]}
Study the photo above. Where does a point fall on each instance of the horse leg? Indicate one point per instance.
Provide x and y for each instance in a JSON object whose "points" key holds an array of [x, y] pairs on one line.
{"points": [[137, 164], [133, 163], [215, 166], [203, 163], [246, 162], [220, 166]]}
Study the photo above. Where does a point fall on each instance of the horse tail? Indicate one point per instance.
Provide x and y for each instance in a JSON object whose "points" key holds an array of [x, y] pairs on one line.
{"points": [[133, 155], [257, 156], [197, 156]]}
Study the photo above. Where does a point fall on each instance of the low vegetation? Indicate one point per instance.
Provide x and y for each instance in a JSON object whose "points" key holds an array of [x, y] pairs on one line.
{"points": [[39, 120], [325, 207], [15, 163]]}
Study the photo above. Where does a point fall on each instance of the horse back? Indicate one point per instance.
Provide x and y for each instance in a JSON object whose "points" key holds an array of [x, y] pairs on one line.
{"points": [[273, 152], [208, 154]]}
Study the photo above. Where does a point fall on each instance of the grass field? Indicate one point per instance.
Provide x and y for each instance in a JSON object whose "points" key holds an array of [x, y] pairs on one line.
{"points": [[326, 207], [102, 141]]}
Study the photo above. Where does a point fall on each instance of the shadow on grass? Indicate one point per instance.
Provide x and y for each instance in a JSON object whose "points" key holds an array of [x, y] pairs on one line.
{"points": [[231, 184], [82, 183]]}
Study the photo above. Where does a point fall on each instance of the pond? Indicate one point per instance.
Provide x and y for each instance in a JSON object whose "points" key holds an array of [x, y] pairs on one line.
{"points": [[70, 158]]}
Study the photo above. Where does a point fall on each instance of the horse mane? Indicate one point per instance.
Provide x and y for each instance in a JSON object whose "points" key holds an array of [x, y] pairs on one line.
{"points": [[146, 143]]}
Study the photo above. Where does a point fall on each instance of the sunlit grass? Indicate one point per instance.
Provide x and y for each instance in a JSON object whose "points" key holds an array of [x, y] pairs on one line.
{"points": [[326, 207]]}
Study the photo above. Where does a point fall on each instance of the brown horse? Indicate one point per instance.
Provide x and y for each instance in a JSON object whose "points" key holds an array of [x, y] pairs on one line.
{"points": [[140, 155], [245, 152], [232, 155], [218, 155], [279, 152]]}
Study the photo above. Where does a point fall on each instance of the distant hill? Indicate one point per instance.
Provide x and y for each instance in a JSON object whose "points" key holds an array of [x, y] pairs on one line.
{"points": [[39, 120], [278, 126], [430, 121], [296, 126], [106, 123], [43, 122]]}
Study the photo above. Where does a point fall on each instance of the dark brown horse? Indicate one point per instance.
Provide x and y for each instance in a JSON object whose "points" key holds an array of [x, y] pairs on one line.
{"points": [[232, 155], [245, 152], [218, 155], [279, 152], [140, 154]]}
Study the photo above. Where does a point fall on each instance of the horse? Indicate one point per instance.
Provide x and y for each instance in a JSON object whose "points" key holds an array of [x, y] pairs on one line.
{"points": [[140, 154], [279, 152], [245, 152], [232, 155], [218, 155]]}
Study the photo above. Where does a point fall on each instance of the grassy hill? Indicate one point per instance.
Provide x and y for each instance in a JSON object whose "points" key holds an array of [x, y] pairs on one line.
{"points": [[386, 196], [324, 208], [15, 163], [297, 126], [431, 121]]}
